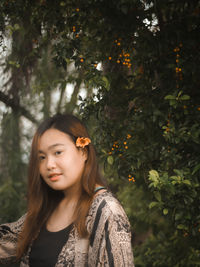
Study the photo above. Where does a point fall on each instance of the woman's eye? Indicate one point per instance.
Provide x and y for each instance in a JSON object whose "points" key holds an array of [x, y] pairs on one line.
{"points": [[41, 158], [58, 152]]}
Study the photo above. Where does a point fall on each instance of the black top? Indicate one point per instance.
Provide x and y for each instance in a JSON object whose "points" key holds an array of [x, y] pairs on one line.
{"points": [[47, 247]]}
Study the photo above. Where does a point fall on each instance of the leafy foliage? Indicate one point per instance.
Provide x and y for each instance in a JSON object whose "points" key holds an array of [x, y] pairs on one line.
{"points": [[141, 57]]}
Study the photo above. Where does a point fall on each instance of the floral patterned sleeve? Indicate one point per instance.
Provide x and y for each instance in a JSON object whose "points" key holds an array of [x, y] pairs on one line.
{"points": [[118, 249], [110, 239], [8, 240]]}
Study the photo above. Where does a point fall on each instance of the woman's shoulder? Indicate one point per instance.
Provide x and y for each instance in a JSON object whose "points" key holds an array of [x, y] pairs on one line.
{"points": [[106, 211], [107, 205], [16, 226]]}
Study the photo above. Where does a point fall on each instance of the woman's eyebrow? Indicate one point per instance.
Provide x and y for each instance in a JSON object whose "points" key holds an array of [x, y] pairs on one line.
{"points": [[51, 147]]}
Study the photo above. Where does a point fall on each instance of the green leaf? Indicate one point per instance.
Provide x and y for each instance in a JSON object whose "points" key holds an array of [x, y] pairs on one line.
{"points": [[179, 94], [153, 204], [157, 196], [110, 160], [173, 177], [153, 175], [182, 226], [196, 168], [185, 97], [165, 211], [172, 102], [170, 97], [106, 81], [187, 182], [179, 172], [16, 27], [103, 151]]}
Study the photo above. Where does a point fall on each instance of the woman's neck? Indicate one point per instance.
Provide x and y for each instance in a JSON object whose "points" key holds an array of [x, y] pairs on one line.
{"points": [[72, 194], [63, 215]]}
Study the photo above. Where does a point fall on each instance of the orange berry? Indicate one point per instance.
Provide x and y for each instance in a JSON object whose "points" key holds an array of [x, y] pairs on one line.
{"points": [[132, 179], [110, 58]]}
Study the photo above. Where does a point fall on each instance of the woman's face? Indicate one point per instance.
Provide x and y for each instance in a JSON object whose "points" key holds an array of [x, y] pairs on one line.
{"points": [[61, 164]]}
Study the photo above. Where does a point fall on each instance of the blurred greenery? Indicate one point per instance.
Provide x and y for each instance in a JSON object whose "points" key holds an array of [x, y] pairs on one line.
{"points": [[137, 64]]}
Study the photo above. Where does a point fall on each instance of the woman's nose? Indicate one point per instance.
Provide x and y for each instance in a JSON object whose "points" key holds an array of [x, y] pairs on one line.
{"points": [[50, 163]]}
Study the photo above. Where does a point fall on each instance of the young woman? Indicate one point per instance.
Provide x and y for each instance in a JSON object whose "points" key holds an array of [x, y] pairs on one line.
{"points": [[72, 219]]}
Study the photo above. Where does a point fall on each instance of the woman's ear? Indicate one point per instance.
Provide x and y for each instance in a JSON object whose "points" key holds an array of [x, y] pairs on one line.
{"points": [[84, 153]]}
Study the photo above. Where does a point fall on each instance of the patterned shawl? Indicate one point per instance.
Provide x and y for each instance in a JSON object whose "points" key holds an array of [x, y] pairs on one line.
{"points": [[108, 244]]}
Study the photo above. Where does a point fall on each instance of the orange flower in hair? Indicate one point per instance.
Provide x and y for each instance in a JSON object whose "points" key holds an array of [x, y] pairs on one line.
{"points": [[82, 141]]}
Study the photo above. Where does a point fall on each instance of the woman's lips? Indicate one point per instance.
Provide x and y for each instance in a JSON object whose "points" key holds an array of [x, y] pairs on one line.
{"points": [[54, 177]]}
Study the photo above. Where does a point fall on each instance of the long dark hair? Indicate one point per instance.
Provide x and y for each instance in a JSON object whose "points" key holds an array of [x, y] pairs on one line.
{"points": [[42, 200]]}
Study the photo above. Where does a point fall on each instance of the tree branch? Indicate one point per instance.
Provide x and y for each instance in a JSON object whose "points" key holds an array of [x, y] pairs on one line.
{"points": [[11, 103]]}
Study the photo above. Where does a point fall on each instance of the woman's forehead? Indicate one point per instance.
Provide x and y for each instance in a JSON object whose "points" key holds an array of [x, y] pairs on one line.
{"points": [[52, 138]]}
